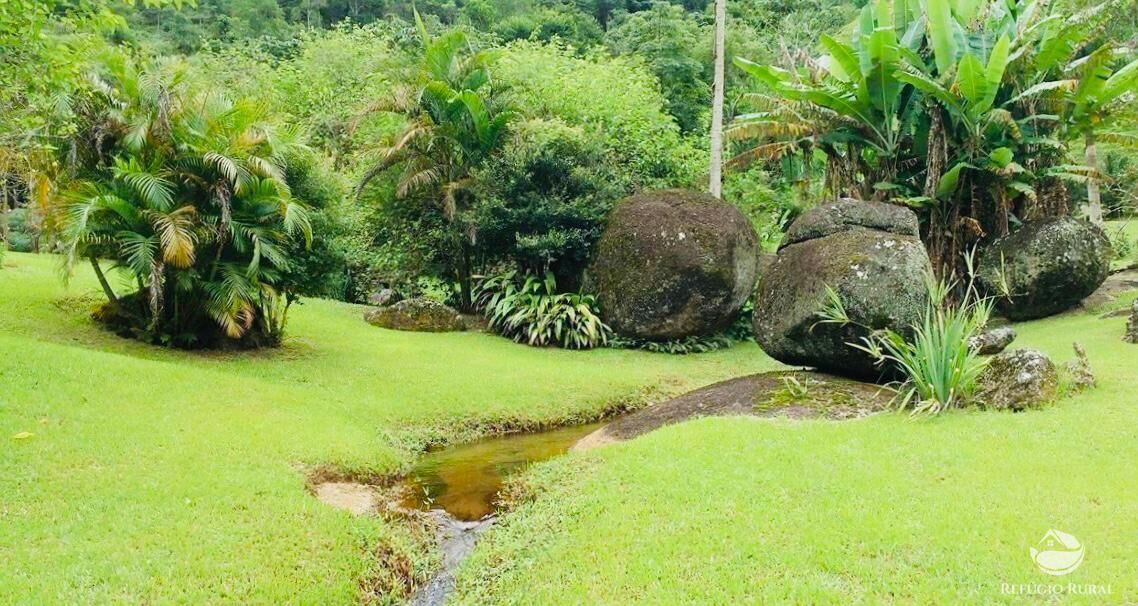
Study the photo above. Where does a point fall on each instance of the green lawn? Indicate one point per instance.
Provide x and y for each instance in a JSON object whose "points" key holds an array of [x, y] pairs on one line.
{"points": [[886, 509], [160, 476]]}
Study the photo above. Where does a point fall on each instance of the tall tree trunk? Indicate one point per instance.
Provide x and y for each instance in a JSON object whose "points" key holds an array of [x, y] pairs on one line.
{"points": [[715, 185], [4, 211], [1094, 198], [464, 277], [107, 290]]}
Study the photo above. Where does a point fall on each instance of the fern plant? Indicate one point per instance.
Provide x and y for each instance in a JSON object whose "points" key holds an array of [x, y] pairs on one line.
{"points": [[940, 367], [534, 312]]}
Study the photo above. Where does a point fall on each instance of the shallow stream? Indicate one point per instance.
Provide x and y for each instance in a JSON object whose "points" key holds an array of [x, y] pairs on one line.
{"points": [[465, 480]]}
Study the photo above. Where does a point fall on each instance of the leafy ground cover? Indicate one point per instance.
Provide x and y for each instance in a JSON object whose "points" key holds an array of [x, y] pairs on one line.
{"points": [[887, 509], [136, 474]]}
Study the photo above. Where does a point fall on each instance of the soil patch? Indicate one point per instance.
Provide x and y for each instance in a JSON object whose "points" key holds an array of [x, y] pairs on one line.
{"points": [[359, 499], [787, 394]]}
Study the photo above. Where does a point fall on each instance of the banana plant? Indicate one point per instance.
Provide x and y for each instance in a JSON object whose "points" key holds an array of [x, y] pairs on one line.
{"points": [[848, 103]]}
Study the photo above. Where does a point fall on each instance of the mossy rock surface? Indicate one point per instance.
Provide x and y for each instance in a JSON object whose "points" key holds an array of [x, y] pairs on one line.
{"points": [[1048, 266], [673, 264], [847, 214], [417, 315], [1017, 380], [880, 277]]}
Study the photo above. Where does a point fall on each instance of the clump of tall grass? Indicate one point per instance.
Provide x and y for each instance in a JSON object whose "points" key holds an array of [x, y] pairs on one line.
{"points": [[940, 366]]}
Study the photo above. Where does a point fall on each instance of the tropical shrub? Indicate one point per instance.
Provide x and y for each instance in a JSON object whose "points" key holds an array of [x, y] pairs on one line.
{"points": [[186, 192], [544, 199], [534, 313], [939, 365], [616, 100]]}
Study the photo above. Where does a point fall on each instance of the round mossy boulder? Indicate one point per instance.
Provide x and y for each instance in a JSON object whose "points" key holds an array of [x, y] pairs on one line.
{"points": [[673, 264], [879, 275], [418, 314], [1046, 266]]}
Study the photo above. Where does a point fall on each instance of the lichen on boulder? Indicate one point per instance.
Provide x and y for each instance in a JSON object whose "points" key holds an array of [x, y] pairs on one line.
{"points": [[879, 275], [992, 342], [1017, 380], [673, 264], [1045, 267], [846, 214], [419, 315]]}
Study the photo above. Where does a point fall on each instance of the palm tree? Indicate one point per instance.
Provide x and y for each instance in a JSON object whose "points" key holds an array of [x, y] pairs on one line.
{"points": [[185, 191], [454, 123], [1101, 91]]}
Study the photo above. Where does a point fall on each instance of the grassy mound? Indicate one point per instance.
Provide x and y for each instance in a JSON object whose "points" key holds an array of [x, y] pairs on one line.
{"points": [[132, 473]]}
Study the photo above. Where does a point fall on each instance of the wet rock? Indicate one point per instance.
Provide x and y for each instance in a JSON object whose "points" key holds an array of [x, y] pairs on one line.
{"points": [[992, 342], [384, 297], [673, 264], [880, 276], [1079, 370], [1047, 267], [1132, 325], [1017, 380], [847, 214], [418, 314]]}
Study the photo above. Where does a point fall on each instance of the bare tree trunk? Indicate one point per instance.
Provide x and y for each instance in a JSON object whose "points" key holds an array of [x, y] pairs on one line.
{"points": [[1094, 198], [107, 290], [465, 272], [4, 210], [715, 185]]}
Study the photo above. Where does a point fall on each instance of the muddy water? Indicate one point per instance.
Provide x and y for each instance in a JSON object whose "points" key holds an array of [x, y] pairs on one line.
{"points": [[465, 480]]}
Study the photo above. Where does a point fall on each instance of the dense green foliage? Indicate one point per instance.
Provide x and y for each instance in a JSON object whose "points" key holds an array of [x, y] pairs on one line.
{"points": [[187, 192], [962, 109]]}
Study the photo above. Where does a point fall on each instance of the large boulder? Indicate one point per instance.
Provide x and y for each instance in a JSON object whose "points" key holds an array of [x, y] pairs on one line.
{"points": [[1048, 266], [1017, 380], [418, 314], [673, 264], [878, 268]]}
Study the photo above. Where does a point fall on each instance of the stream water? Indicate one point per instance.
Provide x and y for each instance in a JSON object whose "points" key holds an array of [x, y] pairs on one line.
{"points": [[464, 480], [459, 487]]}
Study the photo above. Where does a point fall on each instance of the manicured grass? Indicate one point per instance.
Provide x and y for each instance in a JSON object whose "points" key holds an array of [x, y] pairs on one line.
{"points": [[888, 509], [161, 476]]}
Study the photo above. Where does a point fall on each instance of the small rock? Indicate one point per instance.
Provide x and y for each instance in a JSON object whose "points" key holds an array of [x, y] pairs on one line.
{"points": [[1079, 369], [992, 342], [1132, 325], [384, 297], [1017, 380], [418, 314]]}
